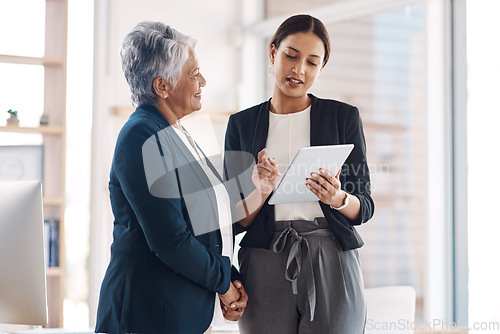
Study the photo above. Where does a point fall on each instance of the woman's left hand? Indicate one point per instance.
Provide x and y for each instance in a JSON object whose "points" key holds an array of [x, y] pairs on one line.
{"points": [[235, 312], [326, 187]]}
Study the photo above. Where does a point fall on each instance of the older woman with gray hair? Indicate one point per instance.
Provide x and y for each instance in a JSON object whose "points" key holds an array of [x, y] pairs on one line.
{"points": [[168, 258]]}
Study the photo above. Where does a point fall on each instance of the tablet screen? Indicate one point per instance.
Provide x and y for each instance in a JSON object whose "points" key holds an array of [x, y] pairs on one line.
{"points": [[292, 187]]}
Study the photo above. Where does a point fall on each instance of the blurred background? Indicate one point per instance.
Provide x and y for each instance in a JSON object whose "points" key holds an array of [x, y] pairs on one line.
{"points": [[424, 75]]}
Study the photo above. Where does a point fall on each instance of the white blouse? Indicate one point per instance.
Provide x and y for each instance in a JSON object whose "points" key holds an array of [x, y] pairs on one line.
{"points": [[287, 134], [221, 195]]}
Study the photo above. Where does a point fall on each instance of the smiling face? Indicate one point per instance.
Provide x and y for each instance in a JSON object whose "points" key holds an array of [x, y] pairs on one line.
{"points": [[297, 63], [186, 97]]}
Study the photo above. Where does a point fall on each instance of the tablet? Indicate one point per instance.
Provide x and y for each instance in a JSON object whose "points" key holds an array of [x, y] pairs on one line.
{"points": [[292, 187]]}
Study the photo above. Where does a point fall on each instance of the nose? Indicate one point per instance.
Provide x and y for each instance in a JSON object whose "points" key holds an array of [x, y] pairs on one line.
{"points": [[298, 68], [201, 80]]}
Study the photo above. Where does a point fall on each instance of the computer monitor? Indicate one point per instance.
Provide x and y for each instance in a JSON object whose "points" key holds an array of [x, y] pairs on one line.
{"points": [[23, 292]]}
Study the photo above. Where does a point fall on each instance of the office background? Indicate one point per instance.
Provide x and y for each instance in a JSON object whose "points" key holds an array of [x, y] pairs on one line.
{"points": [[423, 74]]}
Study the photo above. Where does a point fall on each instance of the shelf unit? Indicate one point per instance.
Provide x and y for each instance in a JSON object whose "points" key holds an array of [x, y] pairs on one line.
{"points": [[54, 139], [46, 61], [43, 129]]}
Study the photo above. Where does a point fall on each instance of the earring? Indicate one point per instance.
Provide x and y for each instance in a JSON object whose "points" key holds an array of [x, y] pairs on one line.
{"points": [[164, 96], [270, 70]]}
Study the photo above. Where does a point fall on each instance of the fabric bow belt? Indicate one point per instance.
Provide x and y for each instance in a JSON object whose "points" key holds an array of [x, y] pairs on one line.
{"points": [[300, 255]]}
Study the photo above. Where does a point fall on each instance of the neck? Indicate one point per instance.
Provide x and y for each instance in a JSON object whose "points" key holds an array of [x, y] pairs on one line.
{"points": [[282, 104], [167, 112]]}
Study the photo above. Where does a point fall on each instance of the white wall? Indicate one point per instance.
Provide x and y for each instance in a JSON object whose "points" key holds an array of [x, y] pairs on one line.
{"points": [[483, 119], [212, 24], [208, 22]]}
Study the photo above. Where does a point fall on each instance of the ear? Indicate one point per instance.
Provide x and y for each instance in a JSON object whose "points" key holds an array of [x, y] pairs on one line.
{"points": [[161, 87], [272, 53]]}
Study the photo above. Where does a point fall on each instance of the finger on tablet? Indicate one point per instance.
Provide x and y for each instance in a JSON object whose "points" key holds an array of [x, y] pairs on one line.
{"points": [[321, 181], [326, 175], [314, 181]]}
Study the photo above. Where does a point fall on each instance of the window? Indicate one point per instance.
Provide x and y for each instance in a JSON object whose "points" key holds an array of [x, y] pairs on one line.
{"points": [[25, 24], [380, 63], [24, 87]]}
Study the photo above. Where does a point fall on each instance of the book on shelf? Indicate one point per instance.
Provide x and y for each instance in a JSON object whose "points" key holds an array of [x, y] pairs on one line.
{"points": [[51, 235]]}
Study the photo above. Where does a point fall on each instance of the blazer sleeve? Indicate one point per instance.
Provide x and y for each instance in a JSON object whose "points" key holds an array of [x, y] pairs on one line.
{"points": [[231, 144], [355, 175], [236, 164], [161, 218]]}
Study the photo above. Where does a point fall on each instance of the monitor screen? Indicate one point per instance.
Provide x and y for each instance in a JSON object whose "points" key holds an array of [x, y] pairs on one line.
{"points": [[23, 294]]}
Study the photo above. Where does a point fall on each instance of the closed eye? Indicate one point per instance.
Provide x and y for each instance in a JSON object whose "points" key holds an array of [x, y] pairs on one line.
{"points": [[290, 56]]}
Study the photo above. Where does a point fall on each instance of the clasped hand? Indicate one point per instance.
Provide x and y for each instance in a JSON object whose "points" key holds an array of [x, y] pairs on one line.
{"points": [[234, 301]]}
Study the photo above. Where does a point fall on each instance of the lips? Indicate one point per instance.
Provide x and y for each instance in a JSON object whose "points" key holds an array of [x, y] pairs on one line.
{"points": [[294, 82], [197, 94]]}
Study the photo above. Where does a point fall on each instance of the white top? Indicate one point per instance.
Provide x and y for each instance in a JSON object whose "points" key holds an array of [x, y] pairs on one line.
{"points": [[287, 134]]}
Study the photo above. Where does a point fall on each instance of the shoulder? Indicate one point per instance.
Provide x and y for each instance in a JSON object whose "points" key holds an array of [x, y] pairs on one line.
{"points": [[329, 105], [333, 109], [145, 122], [250, 114], [138, 133]]}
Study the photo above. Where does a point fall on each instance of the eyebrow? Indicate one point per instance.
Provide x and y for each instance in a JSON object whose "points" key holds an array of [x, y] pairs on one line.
{"points": [[294, 49]]}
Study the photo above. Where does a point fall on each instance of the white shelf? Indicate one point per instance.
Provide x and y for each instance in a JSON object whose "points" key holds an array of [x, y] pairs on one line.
{"points": [[46, 61], [42, 129]]}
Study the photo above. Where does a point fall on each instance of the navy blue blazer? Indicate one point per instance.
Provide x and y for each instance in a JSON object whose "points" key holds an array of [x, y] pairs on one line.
{"points": [[163, 273], [332, 123]]}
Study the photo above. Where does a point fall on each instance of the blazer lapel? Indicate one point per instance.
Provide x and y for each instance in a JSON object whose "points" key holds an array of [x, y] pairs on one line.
{"points": [[181, 156], [315, 123], [185, 159], [204, 178], [261, 129], [209, 164]]}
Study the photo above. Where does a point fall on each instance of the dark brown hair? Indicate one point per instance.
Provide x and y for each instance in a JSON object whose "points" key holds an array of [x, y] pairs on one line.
{"points": [[302, 23]]}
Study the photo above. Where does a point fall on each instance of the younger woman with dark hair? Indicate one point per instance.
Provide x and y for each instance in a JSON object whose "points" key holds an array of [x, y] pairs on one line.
{"points": [[299, 261]]}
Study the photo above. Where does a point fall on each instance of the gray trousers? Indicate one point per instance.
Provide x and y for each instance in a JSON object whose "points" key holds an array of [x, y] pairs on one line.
{"points": [[307, 276]]}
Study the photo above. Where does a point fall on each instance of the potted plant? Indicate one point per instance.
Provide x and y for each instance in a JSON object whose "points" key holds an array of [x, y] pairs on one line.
{"points": [[12, 120], [44, 119]]}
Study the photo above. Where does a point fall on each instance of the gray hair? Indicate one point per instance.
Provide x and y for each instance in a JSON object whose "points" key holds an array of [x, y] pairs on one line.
{"points": [[150, 50]]}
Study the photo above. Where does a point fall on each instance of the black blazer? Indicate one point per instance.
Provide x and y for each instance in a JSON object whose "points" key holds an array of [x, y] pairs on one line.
{"points": [[162, 276], [332, 122]]}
